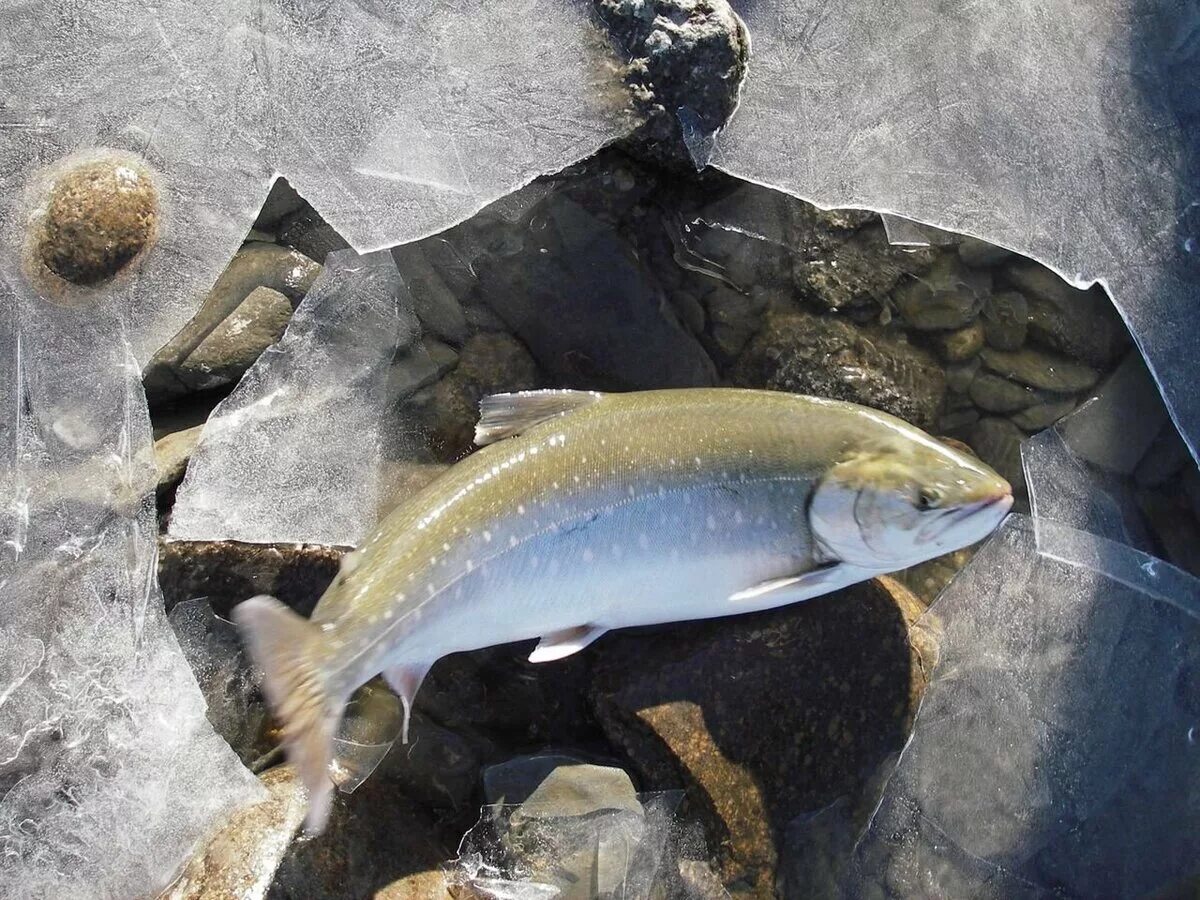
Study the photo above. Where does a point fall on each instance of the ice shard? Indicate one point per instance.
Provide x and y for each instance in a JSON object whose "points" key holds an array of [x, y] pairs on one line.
{"points": [[1067, 132], [293, 454], [110, 775], [394, 120]]}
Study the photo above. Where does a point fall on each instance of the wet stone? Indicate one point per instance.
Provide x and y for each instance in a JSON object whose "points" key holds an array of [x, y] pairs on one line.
{"points": [[765, 716], [171, 455], [829, 357], [959, 345], [233, 346], [1043, 415], [949, 296], [980, 254], [1082, 324], [1006, 320], [960, 376], [1040, 369], [995, 394], [858, 272], [99, 216]]}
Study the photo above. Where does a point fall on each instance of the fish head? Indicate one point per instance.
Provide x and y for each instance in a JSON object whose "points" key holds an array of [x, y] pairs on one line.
{"points": [[897, 504]]}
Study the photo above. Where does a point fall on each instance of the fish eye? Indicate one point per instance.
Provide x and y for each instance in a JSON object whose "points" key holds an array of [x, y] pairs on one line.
{"points": [[929, 498]]}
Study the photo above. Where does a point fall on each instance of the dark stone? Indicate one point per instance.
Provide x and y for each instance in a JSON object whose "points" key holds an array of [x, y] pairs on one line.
{"points": [[281, 202], [490, 363], [1040, 369], [980, 254], [860, 271], [99, 216], [765, 716], [995, 394], [1043, 415], [306, 232], [998, 443], [959, 345], [1082, 324], [686, 62], [829, 357], [588, 310], [236, 343], [1006, 320], [949, 296], [228, 572]]}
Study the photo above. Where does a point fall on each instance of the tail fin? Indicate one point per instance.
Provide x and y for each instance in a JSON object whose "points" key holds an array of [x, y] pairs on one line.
{"points": [[286, 646]]}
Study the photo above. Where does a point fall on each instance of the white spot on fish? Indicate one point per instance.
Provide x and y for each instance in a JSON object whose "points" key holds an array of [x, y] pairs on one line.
{"points": [[711, 523], [520, 509], [512, 540], [588, 556], [487, 537], [387, 613]]}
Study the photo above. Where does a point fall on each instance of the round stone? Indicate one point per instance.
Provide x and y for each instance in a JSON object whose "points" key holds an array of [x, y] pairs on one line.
{"points": [[99, 216]]}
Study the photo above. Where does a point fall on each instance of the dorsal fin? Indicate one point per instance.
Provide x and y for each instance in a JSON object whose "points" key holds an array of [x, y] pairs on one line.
{"points": [[506, 415]]}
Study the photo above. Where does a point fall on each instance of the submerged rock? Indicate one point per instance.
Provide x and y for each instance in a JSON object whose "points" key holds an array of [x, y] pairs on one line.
{"points": [[99, 216], [1006, 320], [1040, 369], [959, 345], [980, 254], [232, 347], [996, 394], [949, 296], [1043, 415], [998, 443], [858, 272], [829, 357], [1080, 323], [171, 454], [764, 716]]}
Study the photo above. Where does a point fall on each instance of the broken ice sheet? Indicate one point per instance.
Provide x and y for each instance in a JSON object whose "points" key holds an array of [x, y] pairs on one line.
{"points": [[1056, 750], [394, 120], [1067, 132], [292, 455], [109, 773]]}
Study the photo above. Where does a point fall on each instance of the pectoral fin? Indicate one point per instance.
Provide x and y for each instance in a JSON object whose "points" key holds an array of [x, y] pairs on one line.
{"points": [[558, 644], [792, 588]]}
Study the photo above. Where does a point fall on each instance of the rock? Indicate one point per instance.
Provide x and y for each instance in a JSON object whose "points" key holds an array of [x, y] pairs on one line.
{"points": [[306, 232], [1116, 428], [433, 302], [686, 62], [375, 836], [829, 357], [995, 394], [255, 265], [1006, 320], [490, 363], [233, 346], [481, 318], [1082, 324], [949, 296], [960, 376], [552, 785], [1043, 415], [438, 768], [767, 715], [733, 318], [929, 578], [240, 860], [588, 310], [99, 216], [421, 365], [959, 345], [858, 272], [953, 422], [980, 254], [171, 455], [281, 202], [1039, 369], [689, 310], [1173, 524], [998, 443], [698, 881], [1165, 458], [228, 572], [417, 886]]}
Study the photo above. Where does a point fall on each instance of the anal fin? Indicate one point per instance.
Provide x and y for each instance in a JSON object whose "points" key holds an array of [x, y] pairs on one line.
{"points": [[560, 644], [826, 577], [406, 680]]}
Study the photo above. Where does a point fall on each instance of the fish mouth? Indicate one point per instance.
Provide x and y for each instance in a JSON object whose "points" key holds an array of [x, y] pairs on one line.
{"points": [[996, 506]]}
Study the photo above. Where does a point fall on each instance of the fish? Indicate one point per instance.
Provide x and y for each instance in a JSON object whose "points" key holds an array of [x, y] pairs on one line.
{"points": [[584, 512]]}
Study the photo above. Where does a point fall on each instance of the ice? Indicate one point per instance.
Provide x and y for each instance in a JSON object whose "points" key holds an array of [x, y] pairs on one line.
{"points": [[394, 120], [109, 773], [1055, 752], [1068, 132], [515, 851], [293, 454]]}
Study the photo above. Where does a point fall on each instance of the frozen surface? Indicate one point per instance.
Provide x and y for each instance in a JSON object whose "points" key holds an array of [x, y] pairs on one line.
{"points": [[394, 119], [292, 455], [518, 851], [1056, 751], [1066, 131], [109, 772]]}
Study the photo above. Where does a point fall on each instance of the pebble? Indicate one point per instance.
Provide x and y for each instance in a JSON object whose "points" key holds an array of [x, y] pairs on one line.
{"points": [[99, 216], [948, 297], [1043, 415], [233, 346], [998, 443], [959, 345], [996, 394], [980, 254], [856, 272], [960, 376], [1040, 369], [1006, 320]]}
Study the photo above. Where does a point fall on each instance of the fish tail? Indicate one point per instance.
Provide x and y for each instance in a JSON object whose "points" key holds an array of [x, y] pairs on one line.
{"points": [[288, 648]]}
